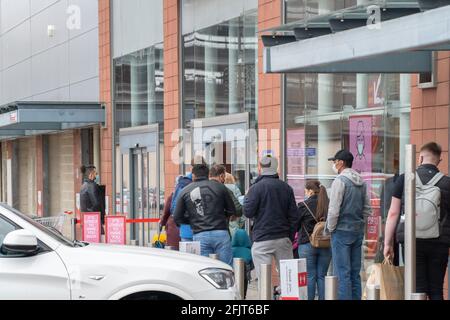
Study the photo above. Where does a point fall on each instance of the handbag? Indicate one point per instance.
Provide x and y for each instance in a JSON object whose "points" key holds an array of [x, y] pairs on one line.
{"points": [[318, 239]]}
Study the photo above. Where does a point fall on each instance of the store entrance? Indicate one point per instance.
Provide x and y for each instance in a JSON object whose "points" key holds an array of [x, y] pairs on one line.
{"points": [[140, 181], [224, 140]]}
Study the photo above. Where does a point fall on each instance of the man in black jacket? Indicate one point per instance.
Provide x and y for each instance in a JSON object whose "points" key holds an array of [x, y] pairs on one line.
{"points": [[431, 254], [271, 203], [207, 206], [91, 194]]}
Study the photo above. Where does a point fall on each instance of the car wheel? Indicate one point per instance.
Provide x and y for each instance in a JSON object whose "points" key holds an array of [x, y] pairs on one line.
{"points": [[151, 296]]}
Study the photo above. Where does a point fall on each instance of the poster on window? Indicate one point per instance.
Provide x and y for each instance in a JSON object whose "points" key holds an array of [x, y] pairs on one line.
{"points": [[376, 95], [296, 152], [361, 143]]}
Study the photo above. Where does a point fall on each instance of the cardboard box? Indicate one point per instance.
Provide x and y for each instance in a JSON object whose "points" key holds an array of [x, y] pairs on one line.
{"points": [[294, 280], [190, 247]]}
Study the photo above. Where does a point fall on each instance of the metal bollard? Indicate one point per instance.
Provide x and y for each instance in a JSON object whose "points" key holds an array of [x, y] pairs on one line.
{"points": [[265, 283], [331, 286], [418, 296], [214, 256], [239, 274], [73, 228], [133, 243], [373, 292]]}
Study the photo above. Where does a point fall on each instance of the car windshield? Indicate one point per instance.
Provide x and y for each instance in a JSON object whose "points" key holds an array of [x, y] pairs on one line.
{"points": [[49, 231]]}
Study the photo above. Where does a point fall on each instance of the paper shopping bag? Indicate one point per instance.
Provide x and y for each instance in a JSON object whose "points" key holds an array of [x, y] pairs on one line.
{"points": [[392, 282]]}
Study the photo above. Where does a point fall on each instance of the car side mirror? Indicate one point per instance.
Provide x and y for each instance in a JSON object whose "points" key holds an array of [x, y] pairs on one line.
{"points": [[21, 243]]}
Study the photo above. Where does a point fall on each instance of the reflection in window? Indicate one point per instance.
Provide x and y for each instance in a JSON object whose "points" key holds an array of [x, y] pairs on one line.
{"points": [[220, 69]]}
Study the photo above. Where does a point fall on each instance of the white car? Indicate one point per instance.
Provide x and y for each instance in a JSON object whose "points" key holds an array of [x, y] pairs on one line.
{"points": [[37, 263]]}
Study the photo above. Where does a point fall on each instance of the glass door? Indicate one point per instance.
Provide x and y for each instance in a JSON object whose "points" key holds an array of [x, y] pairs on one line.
{"points": [[139, 198]]}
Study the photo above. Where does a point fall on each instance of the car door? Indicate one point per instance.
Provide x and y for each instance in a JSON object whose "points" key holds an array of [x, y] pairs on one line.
{"points": [[39, 277]]}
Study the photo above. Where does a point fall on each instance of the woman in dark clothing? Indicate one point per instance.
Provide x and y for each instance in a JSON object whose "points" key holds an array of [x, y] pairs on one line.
{"points": [[173, 233], [312, 211]]}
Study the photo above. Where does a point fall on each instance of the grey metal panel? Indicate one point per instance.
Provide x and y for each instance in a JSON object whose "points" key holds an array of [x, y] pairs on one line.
{"points": [[199, 14], [89, 16], [13, 12], [53, 15], [50, 69], [139, 137], [87, 90], [83, 59], [60, 94], [412, 32], [39, 5], [16, 45], [403, 62], [137, 24], [61, 116], [17, 82]]}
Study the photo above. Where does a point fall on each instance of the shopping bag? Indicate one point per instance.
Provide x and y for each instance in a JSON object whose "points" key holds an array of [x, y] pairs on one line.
{"points": [[374, 278], [392, 281]]}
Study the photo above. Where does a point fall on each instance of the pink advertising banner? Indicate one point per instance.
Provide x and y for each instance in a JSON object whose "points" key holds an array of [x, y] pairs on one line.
{"points": [[116, 229], [361, 142], [91, 223], [296, 152]]}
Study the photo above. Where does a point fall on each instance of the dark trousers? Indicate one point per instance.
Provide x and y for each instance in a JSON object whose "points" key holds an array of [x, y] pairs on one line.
{"points": [[431, 266]]}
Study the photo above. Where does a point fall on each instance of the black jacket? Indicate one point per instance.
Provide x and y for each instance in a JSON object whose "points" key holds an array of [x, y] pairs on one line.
{"points": [[206, 205], [306, 220], [90, 197], [426, 173], [271, 203]]}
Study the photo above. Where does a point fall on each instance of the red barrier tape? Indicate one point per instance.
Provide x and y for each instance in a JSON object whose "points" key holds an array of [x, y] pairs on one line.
{"points": [[143, 220]]}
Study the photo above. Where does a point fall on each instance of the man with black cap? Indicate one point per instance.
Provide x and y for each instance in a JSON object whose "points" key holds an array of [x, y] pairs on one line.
{"points": [[347, 215], [271, 203]]}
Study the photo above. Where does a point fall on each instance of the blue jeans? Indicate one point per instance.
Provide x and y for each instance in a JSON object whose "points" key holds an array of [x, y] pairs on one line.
{"points": [[216, 242], [346, 248], [317, 264]]}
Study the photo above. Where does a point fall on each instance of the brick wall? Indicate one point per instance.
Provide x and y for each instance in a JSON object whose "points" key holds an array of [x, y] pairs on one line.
{"points": [[105, 97], [171, 90], [269, 85], [430, 115]]}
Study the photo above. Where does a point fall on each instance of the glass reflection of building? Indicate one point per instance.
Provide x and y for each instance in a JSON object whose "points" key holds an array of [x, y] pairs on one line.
{"points": [[369, 114]]}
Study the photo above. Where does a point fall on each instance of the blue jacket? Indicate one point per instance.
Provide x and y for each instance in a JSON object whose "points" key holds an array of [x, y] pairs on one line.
{"points": [[271, 203], [185, 229], [242, 246]]}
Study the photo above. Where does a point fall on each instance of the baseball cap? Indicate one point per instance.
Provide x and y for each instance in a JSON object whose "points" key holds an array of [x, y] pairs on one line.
{"points": [[343, 155], [269, 165]]}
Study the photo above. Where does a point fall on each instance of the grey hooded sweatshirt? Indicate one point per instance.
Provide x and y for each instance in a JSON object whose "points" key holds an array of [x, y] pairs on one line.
{"points": [[349, 203]]}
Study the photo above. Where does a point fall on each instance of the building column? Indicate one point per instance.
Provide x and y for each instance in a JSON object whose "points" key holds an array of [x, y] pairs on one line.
{"points": [[405, 125], [233, 67], [151, 87], [134, 91], [210, 79], [41, 176], [362, 91]]}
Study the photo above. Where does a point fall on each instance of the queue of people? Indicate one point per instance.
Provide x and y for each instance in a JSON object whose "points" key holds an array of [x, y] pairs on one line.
{"points": [[327, 229]]}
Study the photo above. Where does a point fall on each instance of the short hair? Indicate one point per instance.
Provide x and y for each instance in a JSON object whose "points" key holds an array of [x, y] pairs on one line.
{"points": [[217, 170], [200, 170], [87, 170], [348, 163], [433, 148]]}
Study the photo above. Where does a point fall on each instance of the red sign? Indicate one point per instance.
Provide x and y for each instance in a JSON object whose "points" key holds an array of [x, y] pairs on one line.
{"points": [[302, 279], [116, 230], [91, 223]]}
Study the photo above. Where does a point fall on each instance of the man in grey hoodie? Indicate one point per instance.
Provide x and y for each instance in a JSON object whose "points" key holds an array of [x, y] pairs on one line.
{"points": [[347, 215]]}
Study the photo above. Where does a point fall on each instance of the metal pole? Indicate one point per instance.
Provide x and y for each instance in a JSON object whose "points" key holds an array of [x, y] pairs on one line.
{"points": [[265, 282], [410, 221], [418, 296], [331, 286], [73, 228], [214, 256], [239, 273], [373, 292]]}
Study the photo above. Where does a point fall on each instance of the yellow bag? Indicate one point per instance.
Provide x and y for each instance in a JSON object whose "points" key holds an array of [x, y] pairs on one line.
{"points": [[392, 281]]}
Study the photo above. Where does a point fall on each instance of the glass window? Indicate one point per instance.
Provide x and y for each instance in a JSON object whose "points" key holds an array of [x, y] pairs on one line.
{"points": [[5, 229]]}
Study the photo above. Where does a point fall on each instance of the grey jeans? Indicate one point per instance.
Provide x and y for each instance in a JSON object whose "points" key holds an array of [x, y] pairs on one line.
{"points": [[264, 252]]}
